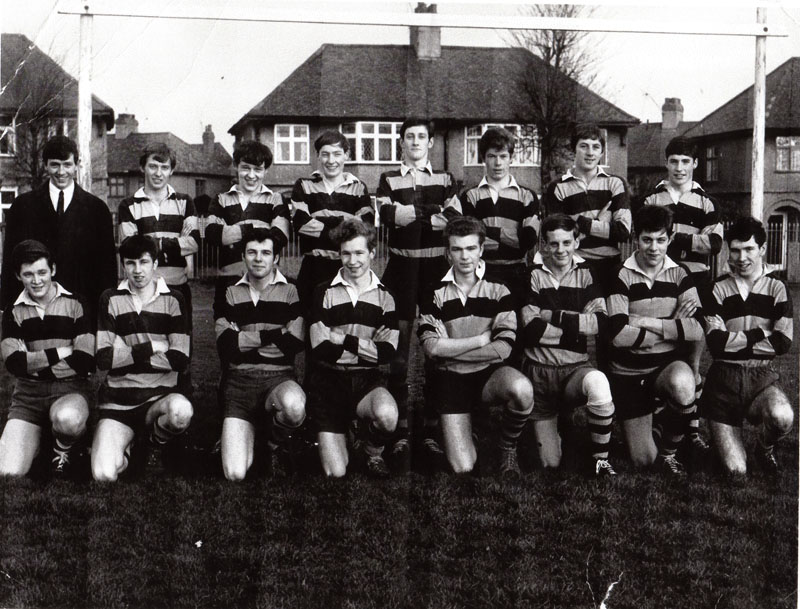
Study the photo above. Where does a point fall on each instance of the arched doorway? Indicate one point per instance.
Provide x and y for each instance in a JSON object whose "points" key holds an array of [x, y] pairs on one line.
{"points": [[783, 227]]}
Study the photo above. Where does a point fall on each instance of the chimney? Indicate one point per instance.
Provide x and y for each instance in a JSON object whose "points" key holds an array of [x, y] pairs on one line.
{"points": [[208, 142], [671, 113], [426, 39], [125, 125]]}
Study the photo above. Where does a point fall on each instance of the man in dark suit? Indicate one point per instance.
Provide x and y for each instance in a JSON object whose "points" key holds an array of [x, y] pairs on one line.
{"points": [[75, 225]]}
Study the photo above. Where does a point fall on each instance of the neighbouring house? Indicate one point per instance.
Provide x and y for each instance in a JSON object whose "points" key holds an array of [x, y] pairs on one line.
{"points": [[38, 99], [646, 145], [366, 91], [202, 170], [725, 138]]}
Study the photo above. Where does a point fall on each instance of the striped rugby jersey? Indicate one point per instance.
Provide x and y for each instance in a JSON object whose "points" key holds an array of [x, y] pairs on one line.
{"points": [[512, 222], [636, 350], [416, 204], [562, 340], [50, 342], [230, 221], [696, 229], [601, 209], [316, 212], [261, 330], [173, 222], [488, 306], [126, 337], [758, 326], [338, 307]]}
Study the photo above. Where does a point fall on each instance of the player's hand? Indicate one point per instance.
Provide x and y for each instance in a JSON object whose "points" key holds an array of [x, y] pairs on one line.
{"points": [[685, 309], [486, 337], [382, 335], [337, 338], [441, 329], [233, 326], [546, 315], [715, 322], [160, 346], [595, 306]]}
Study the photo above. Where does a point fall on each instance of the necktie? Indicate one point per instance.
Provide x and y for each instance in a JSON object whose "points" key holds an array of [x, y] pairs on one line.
{"points": [[60, 208]]}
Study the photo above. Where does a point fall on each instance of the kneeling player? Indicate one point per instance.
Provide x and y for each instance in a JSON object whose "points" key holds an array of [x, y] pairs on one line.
{"points": [[654, 315], [142, 341], [353, 331], [748, 324], [48, 346], [565, 305], [468, 329], [259, 331]]}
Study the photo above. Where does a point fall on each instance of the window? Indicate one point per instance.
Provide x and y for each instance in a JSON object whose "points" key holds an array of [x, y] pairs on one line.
{"points": [[116, 187], [63, 126], [712, 163], [526, 150], [7, 196], [788, 153], [373, 142], [291, 144], [6, 138]]}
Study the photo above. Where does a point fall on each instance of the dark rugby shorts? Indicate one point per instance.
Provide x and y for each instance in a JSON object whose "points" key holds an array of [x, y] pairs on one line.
{"points": [[333, 395], [549, 384], [31, 400], [634, 395], [455, 393], [245, 392], [730, 389]]}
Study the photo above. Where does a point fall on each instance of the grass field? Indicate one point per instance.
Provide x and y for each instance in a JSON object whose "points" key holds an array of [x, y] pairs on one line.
{"points": [[547, 540]]}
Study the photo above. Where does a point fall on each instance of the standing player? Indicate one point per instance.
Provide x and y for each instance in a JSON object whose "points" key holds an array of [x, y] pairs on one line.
{"points": [[320, 203], [565, 305], [143, 342], [748, 323], [415, 202], [509, 211], [468, 330], [48, 345], [248, 205], [259, 331], [653, 312], [697, 236], [353, 331]]}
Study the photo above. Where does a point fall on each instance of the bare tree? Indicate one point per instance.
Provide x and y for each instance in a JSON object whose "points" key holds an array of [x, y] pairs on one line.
{"points": [[561, 61]]}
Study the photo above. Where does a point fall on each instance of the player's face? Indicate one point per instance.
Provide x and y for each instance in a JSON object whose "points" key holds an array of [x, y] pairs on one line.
{"points": [[356, 258], [331, 161], [680, 169], [746, 258], [416, 144], [250, 176], [588, 154], [498, 163], [156, 173], [652, 247], [62, 172], [259, 258], [559, 247], [37, 279], [464, 253], [141, 271]]}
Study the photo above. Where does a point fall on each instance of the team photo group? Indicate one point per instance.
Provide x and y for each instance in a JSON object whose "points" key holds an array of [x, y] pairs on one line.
{"points": [[524, 308]]}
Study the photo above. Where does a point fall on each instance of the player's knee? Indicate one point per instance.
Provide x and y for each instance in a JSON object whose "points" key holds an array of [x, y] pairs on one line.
{"points": [[385, 416], [780, 416], [734, 465], [69, 421], [550, 461], [681, 388], [461, 463], [293, 412], [104, 470], [179, 413], [597, 391], [334, 469], [522, 392], [234, 472]]}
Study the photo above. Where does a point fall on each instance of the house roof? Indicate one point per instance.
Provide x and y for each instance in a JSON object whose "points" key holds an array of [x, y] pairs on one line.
{"points": [[783, 105], [647, 141], [123, 155], [23, 66], [388, 81]]}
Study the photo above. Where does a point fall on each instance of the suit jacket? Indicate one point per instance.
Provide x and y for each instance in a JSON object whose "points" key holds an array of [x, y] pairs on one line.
{"points": [[82, 244]]}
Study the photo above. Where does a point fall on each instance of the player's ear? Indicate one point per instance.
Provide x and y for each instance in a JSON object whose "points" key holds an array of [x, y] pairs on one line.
{"points": [[53, 269]]}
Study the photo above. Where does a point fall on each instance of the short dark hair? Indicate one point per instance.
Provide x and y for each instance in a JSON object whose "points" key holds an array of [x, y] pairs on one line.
{"points": [[559, 222], [745, 227], [462, 226], [136, 246], [28, 252], [252, 152], [58, 148], [261, 233], [331, 138], [588, 131], [497, 138], [416, 121], [161, 152], [682, 146], [651, 219], [352, 228]]}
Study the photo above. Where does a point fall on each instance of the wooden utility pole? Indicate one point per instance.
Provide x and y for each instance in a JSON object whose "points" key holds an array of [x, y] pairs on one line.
{"points": [[85, 103], [759, 122]]}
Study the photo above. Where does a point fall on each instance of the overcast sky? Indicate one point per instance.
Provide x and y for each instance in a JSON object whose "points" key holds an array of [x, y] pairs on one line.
{"points": [[179, 75]]}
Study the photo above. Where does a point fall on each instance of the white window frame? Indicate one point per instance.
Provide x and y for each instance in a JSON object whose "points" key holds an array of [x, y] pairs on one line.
{"points": [[117, 184], [5, 206], [292, 139], [357, 136], [9, 131], [713, 155], [790, 143], [61, 126], [604, 161], [516, 129]]}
